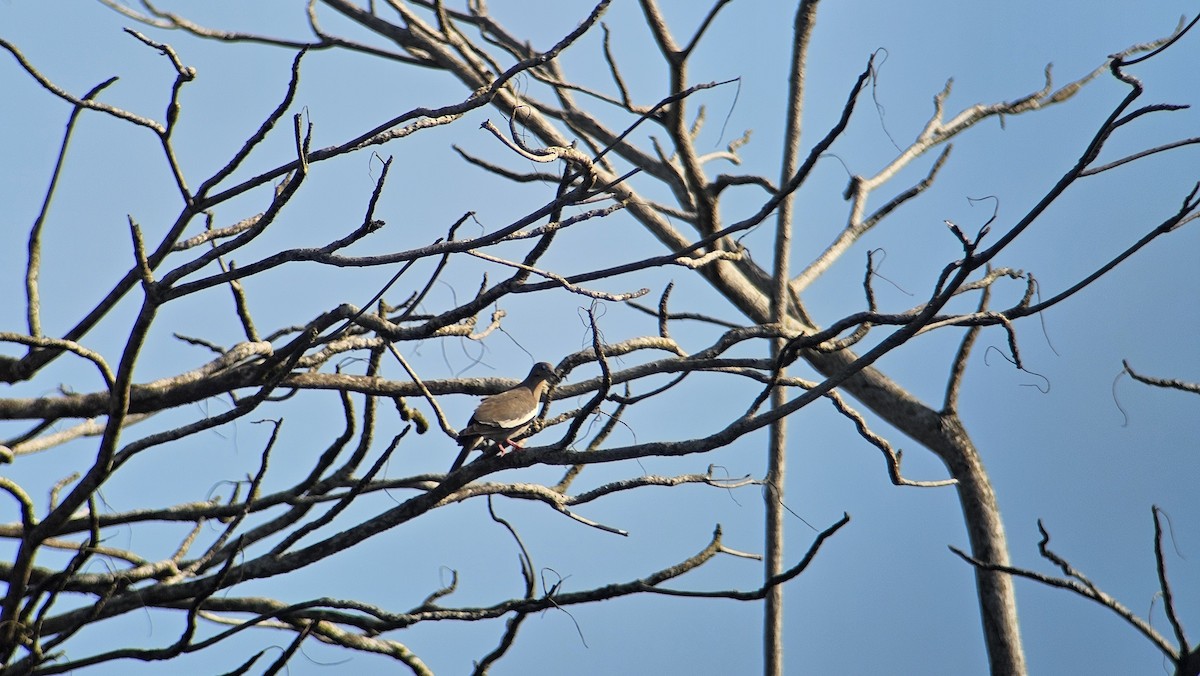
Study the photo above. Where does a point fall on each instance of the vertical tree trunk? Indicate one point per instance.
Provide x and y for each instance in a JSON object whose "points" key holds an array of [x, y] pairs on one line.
{"points": [[774, 496], [944, 435], [806, 12], [981, 513]]}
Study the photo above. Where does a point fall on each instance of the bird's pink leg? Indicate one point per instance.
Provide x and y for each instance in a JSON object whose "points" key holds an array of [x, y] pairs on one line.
{"points": [[512, 445]]}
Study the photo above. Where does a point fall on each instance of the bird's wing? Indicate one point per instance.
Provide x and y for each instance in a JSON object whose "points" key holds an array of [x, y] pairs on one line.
{"points": [[505, 411], [498, 416]]}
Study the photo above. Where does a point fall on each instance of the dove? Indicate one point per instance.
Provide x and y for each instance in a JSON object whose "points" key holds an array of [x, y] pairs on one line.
{"points": [[503, 416]]}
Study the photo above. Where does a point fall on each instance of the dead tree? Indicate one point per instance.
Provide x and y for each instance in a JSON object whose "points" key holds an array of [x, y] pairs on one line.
{"points": [[581, 148]]}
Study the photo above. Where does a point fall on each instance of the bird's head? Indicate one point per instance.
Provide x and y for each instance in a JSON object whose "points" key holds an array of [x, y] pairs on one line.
{"points": [[543, 371]]}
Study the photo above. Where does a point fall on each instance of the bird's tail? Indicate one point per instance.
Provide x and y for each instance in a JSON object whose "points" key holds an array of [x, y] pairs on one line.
{"points": [[458, 462], [468, 445]]}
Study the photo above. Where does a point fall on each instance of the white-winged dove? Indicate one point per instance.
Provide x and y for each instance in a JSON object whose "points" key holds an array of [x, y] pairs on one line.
{"points": [[503, 416]]}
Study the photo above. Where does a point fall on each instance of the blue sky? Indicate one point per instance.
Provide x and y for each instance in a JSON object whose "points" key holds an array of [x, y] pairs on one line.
{"points": [[886, 595]]}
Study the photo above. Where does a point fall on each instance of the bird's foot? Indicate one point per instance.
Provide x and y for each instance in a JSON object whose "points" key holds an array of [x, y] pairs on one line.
{"points": [[512, 446]]}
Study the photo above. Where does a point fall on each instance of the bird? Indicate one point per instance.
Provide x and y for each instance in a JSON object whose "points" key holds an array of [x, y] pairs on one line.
{"points": [[503, 416]]}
